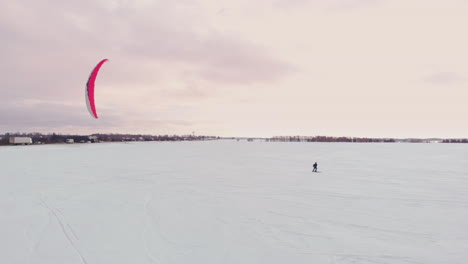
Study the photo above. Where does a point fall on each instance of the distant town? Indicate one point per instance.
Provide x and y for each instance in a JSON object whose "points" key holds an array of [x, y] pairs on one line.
{"points": [[53, 138]]}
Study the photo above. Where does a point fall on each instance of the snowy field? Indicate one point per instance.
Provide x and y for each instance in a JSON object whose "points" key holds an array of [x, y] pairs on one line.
{"points": [[234, 202]]}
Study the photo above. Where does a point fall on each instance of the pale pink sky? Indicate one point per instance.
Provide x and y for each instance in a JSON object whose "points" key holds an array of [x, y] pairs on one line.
{"points": [[377, 68]]}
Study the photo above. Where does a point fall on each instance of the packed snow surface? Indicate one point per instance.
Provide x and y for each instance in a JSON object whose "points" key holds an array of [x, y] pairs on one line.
{"points": [[234, 202]]}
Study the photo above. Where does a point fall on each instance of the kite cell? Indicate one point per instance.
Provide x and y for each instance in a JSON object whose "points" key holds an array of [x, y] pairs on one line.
{"points": [[90, 89]]}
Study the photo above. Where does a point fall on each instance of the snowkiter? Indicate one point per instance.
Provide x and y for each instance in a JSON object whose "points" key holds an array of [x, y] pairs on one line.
{"points": [[315, 167]]}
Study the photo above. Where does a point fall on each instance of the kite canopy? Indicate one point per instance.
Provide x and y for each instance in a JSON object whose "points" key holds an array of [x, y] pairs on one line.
{"points": [[90, 89]]}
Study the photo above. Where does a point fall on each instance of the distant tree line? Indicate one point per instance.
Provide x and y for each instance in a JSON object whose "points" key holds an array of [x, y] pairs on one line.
{"points": [[141, 137], [53, 138], [455, 141], [328, 139], [361, 139]]}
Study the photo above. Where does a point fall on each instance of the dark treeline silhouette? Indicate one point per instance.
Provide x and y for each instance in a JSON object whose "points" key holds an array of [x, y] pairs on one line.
{"points": [[53, 138], [362, 139], [455, 141], [329, 139]]}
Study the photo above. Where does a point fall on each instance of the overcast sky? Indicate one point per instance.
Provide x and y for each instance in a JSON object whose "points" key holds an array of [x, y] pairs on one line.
{"points": [[376, 68]]}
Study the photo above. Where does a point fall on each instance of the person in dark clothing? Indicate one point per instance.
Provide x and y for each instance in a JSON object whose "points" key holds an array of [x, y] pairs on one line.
{"points": [[315, 167]]}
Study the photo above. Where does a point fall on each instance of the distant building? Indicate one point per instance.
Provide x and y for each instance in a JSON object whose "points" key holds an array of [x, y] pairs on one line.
{"points": [[70, 141], [93, 138], [20, 140]]}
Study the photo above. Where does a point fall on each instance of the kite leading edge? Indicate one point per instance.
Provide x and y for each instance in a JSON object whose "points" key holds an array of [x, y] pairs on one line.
{"points": [[90, 89]]}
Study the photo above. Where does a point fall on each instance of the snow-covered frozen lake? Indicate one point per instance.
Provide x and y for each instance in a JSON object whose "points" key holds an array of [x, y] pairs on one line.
{"points": [[234, 202]]}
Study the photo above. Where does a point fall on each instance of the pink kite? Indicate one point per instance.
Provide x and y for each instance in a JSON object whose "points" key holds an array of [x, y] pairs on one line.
{"points": [[90, 89]]}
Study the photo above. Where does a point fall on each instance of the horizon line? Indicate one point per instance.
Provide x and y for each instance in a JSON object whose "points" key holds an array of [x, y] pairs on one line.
{"points": [[241, 137]]}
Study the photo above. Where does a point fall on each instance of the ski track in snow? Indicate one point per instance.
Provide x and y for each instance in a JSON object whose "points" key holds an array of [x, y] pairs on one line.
{"points": [[64, 231], [371, 259], [147, 230], [68, 225], [36, 243]]}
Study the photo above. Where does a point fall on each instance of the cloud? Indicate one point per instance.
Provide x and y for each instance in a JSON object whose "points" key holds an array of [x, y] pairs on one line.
{"points": [[46, 47], [444, 78], [350, 4], [320, 4], [191, 90], [26, 115], [47, 116], [49, 48]]}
